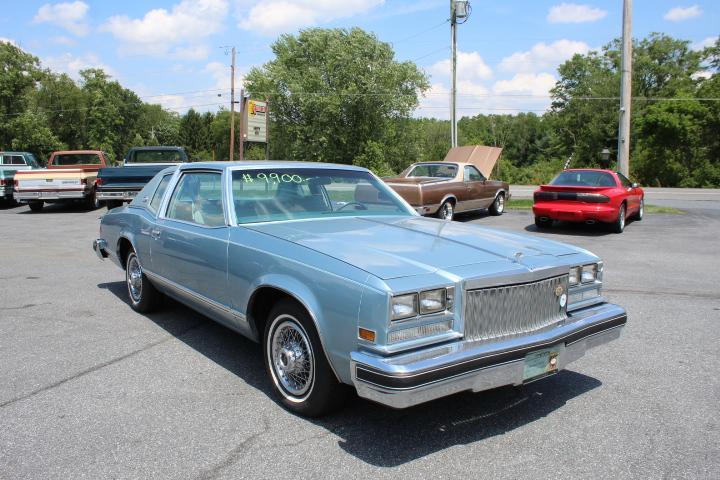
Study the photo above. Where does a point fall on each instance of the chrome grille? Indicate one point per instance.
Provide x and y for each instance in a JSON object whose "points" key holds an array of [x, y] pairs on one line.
{"points": [[513, 309]]}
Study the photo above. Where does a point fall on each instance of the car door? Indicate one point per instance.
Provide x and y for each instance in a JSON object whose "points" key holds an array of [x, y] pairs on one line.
{"points": [[475, 188], [632, 195], [190, 240]]}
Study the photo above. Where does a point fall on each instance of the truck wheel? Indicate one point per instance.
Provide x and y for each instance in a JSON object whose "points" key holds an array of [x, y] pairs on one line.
{"points": [[144, 297], [543, 222], [446, 210], [498, 206], [619, 225], [92, 202], [36, 206], [295, 362]]}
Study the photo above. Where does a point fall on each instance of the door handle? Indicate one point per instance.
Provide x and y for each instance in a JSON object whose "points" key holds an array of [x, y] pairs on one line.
{"points": [[155, 233]]}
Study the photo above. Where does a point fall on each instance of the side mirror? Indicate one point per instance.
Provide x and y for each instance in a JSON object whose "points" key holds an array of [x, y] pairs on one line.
{"points": [[634, 185]]}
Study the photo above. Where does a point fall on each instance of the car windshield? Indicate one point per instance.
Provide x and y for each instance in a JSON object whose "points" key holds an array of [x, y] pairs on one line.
{"points": [[77, 159], [157, 156], [584, 178], [265, 195], [436, 170]]}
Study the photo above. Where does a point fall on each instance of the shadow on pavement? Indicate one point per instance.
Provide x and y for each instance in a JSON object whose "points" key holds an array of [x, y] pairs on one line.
{"points": [[375, 434], [576, 229], [60, 207]]}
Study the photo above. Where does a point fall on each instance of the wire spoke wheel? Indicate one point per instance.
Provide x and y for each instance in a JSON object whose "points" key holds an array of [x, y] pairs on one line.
{"points": [[134, 279], [291, 357]]}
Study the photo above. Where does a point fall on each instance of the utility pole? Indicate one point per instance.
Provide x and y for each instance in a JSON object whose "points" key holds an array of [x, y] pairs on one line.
{"points": [[232, 106], [623, 161], [453, 87]]}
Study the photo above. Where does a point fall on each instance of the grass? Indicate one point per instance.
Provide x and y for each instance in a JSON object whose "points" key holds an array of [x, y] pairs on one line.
{"points": [[527, 203]]}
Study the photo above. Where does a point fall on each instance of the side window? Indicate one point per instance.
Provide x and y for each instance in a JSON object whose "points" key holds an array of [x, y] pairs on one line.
{"points": [[624, 181], [16, 160], [159, 193], [2, 160], [198, 199], [472, 174]]}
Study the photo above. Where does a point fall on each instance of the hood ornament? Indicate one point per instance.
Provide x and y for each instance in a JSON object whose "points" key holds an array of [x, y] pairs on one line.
{"points": [[517, 256]]}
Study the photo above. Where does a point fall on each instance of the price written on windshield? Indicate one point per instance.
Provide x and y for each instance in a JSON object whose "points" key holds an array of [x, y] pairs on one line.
{"points": [[273, 177]]}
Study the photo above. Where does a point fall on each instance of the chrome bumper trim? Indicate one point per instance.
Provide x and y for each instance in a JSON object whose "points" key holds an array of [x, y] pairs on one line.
{"points": [[49, 195], [100, 248], [406, 380], [125, 196]]}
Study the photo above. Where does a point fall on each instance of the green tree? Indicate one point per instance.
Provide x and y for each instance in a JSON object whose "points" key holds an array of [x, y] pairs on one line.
{"points": [[19, 71], [333, 90]]}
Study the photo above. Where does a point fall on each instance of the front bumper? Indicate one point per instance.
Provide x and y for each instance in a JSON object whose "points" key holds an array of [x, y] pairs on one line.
{"points": [[100, 248], [27, 196], [125, 195], [576, 212], [405, 380]]}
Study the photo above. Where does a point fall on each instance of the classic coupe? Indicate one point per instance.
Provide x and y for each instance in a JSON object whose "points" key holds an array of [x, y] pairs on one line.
{"points": [[443, 188], [590, 196], [344, 284]]}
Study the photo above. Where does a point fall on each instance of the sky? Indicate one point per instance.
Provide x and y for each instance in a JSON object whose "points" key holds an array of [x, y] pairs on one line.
{"points": [[175, 52]]}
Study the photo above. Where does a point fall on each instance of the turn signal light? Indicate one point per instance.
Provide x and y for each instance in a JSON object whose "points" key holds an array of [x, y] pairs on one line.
{"points": [[366, 334]]}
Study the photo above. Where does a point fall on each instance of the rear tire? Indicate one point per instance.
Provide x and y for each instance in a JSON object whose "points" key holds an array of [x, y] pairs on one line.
{"points": [[498, 206], [36, 206], [301, 376], [446, 210], [144, 297], [543, 222], [92, 202], [619, 225]]}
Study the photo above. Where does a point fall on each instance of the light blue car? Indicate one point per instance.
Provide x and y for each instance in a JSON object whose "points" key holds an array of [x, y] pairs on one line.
{"points": [[344, 284]]}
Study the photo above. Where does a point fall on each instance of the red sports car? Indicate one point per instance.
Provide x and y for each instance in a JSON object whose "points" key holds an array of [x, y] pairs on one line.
{"points": [[590, 196]]}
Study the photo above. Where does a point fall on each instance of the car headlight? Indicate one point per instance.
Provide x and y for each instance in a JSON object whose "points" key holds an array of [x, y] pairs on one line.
{"points": [[432, 301], [574, 277], [404, 306], [589, 273]]}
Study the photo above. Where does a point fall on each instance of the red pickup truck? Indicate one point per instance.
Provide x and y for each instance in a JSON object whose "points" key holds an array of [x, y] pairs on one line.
{"points": [[69, 176]]}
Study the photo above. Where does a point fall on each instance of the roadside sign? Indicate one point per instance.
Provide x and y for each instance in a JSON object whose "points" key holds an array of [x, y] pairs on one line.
{"points": [[256, 121]]}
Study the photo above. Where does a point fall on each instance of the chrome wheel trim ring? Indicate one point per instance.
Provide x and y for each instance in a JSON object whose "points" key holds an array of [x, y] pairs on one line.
{"points": [[133, 277], [500, 203], [622, 218], [642, 207], [291, 358], [447, 211]]}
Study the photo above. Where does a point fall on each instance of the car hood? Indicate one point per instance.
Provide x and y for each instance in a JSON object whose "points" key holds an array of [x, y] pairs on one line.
{"points": [[394, 247]]}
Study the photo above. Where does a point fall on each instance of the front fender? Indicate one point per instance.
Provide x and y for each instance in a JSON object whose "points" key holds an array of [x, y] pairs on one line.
{"points": [[333, 308]]}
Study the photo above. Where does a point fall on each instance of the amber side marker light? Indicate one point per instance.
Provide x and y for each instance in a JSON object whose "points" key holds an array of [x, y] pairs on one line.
{"points": [[366, 334]]}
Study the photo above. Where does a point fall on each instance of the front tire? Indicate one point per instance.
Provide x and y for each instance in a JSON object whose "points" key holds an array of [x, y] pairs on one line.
{"points": [[295, 362], [498, 206], [619, 225], [144, 297], [36, 206], [446, 210], [543, 222], [641, 211]]}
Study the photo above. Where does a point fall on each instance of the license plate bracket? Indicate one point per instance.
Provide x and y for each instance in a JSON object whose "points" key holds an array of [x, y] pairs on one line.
{"points": [[541, 363]]}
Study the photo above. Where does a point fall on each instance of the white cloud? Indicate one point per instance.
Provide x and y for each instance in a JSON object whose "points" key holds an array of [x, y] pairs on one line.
{"points": [[678, 14], [575, 13], [8, 40], [271, 17], [470, 66], [532, 84], [70, 15], [542, 56], [178, 32], [708, 42], [71, 64]]}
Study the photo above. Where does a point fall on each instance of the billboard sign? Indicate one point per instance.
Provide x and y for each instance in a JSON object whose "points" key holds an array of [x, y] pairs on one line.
{"points": [[256, 121]]}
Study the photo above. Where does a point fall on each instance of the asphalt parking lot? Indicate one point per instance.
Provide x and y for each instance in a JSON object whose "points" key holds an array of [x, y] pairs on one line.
{"points": [[91, 389]]}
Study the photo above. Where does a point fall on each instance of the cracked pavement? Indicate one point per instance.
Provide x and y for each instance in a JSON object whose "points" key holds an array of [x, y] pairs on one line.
{"points": [[91, 389]]}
